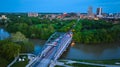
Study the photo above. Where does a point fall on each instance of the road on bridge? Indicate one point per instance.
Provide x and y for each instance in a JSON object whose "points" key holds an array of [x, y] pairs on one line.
{"points": [[53, 51]]}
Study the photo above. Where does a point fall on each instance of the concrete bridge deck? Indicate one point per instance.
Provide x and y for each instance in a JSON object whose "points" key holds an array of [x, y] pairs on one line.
{"points": [[52, 50]]}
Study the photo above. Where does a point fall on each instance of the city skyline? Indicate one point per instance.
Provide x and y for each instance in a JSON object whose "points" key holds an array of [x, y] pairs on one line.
{"points": [[52, 6]]}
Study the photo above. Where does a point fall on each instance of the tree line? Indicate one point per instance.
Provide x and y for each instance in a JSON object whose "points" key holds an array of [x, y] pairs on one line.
{"points": [[85, 31], [10, 48], [96, 32]]}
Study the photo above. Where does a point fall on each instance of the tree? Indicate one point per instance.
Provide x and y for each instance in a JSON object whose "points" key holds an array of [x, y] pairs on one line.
{"points": [[9, 50], [18, 37], [95, 32], [26, 47]]}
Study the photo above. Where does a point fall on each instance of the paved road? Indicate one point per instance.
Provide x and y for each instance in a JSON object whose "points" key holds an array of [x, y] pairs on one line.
{"points": [[63, 45], [45, 60], [52, 51]]}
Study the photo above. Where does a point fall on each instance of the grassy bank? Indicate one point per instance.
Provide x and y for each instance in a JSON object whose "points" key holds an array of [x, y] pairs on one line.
{"points": [[109, 62], [82, 65], [79, 65], [21, 63], [4, 62], [113, 62]]}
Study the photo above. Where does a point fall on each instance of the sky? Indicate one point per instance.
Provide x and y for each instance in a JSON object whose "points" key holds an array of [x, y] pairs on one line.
{"points": [[80, 6]]}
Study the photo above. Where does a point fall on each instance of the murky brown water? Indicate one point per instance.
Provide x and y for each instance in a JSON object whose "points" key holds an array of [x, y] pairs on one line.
{"points": [[93, 52], [80, 51], [86, 52]]}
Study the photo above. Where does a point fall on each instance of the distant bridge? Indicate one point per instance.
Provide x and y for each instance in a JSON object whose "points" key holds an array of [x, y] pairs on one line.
{"points": [[52, 50]]}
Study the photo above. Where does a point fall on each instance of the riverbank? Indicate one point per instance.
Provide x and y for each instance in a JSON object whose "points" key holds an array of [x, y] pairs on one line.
{"points": [[37, 41], [90, 63], [85, 52], [93, 52], [21, 61]]}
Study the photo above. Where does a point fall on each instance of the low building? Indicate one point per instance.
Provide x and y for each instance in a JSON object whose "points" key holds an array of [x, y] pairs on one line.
{"points": [[32, 14], [3, 17]]}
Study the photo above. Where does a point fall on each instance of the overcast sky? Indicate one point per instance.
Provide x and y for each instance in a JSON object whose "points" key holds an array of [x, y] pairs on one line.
{"points": [[109, 6]]}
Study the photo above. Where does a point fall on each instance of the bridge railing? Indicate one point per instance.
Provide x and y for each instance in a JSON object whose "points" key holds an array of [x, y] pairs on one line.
{"points": [[60, 51], [46, 44]]}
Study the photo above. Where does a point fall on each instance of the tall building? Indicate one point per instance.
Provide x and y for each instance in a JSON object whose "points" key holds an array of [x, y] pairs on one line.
{"points": [[90, 12], [99, 12]]}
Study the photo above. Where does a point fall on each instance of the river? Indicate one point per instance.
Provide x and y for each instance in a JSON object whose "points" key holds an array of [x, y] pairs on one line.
{"points": [[89, 52], [79, 51], [93, 52]]}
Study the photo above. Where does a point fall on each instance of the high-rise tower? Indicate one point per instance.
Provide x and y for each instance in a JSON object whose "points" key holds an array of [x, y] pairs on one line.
{"points": [[99, 12], [90, 12]]}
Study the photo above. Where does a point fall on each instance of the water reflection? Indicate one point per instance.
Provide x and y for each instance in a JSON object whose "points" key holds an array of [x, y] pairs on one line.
{"points": [[3, 34], [72, 44], [94, 52], [38, 45], [37, 49], [78, 51]]}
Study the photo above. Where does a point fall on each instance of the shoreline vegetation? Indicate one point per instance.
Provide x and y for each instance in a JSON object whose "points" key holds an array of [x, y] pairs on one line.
{"points": [[90, 63], [22, 27], [85, 31], [13, 46]]}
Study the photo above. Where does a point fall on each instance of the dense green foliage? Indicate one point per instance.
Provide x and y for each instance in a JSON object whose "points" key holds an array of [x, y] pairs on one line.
{"points": [[11, 48], [3, 62], [67, 27], [85, 31], [8, 50], [90, 31], [20, 39], [26, 47], [35, 27], [42, 31]]}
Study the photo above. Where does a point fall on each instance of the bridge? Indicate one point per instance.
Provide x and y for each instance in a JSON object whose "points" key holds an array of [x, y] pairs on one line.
{"points": [[52, 50]]}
